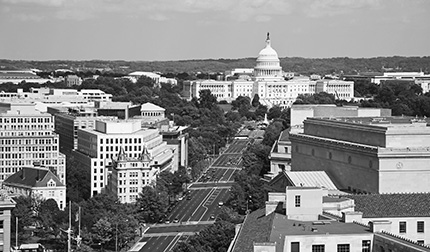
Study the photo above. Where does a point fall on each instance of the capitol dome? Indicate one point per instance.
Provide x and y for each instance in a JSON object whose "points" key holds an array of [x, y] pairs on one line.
{"points": [[268, 63]]}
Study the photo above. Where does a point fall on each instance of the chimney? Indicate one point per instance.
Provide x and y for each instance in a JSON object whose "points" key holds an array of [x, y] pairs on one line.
{"points": [[380, 225], [349, 217]]}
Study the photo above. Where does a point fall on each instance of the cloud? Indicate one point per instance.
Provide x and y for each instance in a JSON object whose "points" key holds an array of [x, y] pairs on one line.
{"points": [[320, 8], [239, 10], [54, 3]]}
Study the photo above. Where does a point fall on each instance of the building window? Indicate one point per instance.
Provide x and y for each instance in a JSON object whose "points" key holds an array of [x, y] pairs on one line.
{"points": [[420, 226], [313, 152], [297, 201], [349, 159], [318, 248], [402, 227], [370, 164], [330, 155], [343, 248], [365, 246], [1, 224], [420, 242], [295, 247]]}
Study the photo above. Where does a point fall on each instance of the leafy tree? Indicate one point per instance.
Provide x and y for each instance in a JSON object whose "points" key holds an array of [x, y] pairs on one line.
{"points": [[102, 231], [78, 180], [256, 101], [319, 98], [207, 99], [247, 193], [151, 206], [274, 112], [216, 237], [272, 133]]}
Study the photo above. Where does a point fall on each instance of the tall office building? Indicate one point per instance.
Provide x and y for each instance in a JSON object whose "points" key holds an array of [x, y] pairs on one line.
{"points": [[99, 147], [26, 138]]}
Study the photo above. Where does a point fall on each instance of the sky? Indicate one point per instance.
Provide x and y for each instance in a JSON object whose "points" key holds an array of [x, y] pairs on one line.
{"points": [[159, 30]]}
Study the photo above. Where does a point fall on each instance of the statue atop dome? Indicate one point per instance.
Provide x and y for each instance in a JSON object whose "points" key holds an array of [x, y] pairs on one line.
{"points": [[268, 39]]}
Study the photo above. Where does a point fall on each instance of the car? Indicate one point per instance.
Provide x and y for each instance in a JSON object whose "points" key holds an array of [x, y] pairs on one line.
{"points": [[176, 220], [167, 221], [220, 203], [212, 217], [188, 197]]}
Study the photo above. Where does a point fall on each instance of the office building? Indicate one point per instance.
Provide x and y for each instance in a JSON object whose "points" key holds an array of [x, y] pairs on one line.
{"points": [[99, 147], [366, 154], [27, 137]]}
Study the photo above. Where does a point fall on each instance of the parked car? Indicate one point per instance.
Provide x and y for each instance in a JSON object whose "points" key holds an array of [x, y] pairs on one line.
{"points": [[176, 220]]}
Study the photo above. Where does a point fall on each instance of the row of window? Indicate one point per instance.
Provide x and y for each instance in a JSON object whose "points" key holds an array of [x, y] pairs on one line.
{"points": [[25, 120], [33, 155], [28, 141], [120, 140], [365, 247], [28, 148], [402, 227], [32, 133]]}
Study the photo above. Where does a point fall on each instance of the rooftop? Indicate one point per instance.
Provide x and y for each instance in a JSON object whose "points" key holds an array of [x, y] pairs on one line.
{"points": [[311, 178], [256, 228], [32, 177], [392, 205], [383, 121], [259, 228]]}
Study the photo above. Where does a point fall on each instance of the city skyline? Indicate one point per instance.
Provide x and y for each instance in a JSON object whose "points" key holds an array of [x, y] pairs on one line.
{"points": [[182, 30]]}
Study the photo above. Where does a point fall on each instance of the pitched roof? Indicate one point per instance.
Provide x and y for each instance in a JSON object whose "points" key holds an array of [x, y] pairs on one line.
{"points": [[285, 135], [151, 107], [32, 177], [392, 205], [311, 178], [256, 228]]}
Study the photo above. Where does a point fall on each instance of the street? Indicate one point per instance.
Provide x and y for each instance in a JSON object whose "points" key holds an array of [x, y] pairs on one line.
{"points": [[199, 207]]}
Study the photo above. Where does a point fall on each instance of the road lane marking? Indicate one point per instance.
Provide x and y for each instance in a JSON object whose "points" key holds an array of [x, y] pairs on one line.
{"points": [[173, 242], [203, 201]]}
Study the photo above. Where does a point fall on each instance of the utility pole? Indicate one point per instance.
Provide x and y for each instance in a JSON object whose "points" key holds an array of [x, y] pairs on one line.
{"points": [[79, 239], [116, 236], [69, 230], [16, 233]]}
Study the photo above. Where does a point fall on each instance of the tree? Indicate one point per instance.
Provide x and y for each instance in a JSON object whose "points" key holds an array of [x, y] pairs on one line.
{"points": [[102, 231], [151, 206], [256, 101], [274, 112], [216, 237], [272, 133], [78, 180], [207, 99], [49, 218]]}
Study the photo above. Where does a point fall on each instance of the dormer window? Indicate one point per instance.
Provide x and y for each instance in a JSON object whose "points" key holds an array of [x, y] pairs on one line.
{"points": [[51, 183]]}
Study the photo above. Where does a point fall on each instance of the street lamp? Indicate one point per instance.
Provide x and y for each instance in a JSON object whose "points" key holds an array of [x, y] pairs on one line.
{"points": [[247, 204]]}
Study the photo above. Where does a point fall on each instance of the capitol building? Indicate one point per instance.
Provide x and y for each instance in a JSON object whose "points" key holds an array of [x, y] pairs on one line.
{"points": [[273, 86]]}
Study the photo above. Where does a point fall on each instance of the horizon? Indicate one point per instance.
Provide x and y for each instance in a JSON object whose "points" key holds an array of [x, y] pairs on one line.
{"points": [[214, 59], [179, 30]]}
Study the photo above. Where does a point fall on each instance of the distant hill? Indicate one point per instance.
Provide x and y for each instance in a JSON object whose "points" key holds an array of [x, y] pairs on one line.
{"points": [[299, 65]]}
